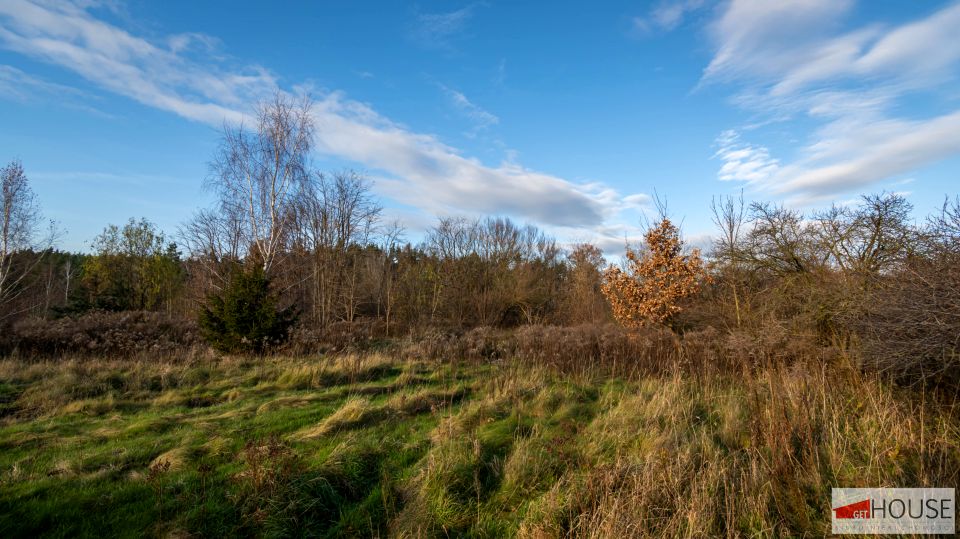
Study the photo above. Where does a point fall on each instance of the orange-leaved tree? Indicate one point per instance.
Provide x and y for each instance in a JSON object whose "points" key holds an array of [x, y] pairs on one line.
{"points": [[654, 281]]}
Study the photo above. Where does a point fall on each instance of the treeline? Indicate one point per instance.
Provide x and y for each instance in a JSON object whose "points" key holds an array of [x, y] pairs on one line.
{"points": [[297, 244], [466, 273]]}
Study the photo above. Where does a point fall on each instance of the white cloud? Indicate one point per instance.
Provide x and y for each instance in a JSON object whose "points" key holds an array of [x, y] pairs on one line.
{"points": [[433, 176], [758, 37], [418, 169], [871, 153], [668, 15], [742, 161], [639, 200], [791, 58]]}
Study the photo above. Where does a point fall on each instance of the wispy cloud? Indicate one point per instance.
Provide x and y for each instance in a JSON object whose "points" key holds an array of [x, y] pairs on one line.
{"points": [[19, 86], [481, 118], [433, 176], [794, 59], [639, 200], [500, 76], [154, 74], [22, 87], [414, 168], [667, 15], [438, 30]]}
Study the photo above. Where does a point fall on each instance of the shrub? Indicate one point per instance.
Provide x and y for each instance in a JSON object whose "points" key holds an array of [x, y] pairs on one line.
{"points": [[244, 317], [103, 334], [359, 335], [655, 281], [910, 327]]}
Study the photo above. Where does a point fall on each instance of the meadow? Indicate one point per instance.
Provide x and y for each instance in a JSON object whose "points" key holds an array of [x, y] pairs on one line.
{"points": [[385, 444], [555, 326]]}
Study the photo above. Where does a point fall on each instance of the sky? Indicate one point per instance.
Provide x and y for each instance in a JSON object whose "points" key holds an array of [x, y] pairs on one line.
{"points": [[570, 116]]}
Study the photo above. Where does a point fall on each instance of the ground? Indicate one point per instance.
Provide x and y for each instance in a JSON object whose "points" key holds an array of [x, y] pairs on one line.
{"points": [[376, 446]]}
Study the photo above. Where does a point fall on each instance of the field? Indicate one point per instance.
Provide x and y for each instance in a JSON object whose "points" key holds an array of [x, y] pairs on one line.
{"points": [[374, 446]]}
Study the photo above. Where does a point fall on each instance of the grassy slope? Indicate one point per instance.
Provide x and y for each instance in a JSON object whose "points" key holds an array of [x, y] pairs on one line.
{"points": [[375, 447]]}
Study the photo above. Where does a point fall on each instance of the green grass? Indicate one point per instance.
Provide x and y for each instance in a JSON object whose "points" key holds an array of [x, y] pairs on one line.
{"points": [[375, 447]]}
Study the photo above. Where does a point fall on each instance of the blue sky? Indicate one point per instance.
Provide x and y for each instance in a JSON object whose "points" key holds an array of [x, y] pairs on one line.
{"points": [[567, 115]]}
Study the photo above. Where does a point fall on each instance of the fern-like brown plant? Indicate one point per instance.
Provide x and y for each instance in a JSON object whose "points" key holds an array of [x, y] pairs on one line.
{"points": [[654, 282]]}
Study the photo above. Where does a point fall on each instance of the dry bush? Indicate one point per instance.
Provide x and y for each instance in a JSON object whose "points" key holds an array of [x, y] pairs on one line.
{"points": [[613, 350], [477, 344], [910, 327], [431, 343], [696, 352], [487, 343], [588, 347], [129, 333], [342, 336]]}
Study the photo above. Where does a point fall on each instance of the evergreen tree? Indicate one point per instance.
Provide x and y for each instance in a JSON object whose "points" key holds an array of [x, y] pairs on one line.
{"points": [[244, 317]]}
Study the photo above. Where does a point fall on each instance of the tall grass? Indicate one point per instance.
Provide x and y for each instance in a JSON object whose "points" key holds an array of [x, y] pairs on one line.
{"points": [[695, 438]]}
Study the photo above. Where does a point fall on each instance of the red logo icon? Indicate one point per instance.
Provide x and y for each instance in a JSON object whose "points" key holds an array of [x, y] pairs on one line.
{"points": [[859, 510]]}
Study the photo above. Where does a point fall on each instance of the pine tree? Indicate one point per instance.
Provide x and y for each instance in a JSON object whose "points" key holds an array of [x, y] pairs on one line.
{"points": [[244, 317]]}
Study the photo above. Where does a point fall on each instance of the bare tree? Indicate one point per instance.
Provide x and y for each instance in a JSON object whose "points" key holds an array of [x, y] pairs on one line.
{"points": [[214, 242], [337, 216], [583, 299], [493, 271], [388, 270], [19, 228], [729, 217], [779, 241], [260, 174], [942, 234], [868, 239]]}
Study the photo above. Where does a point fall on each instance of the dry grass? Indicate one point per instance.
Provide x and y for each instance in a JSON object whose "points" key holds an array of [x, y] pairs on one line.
{"points": [[353, 413], [366, 445]]}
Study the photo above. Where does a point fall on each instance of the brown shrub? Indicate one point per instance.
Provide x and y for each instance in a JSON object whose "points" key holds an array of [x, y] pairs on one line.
{"points": [[606, 346], [593, 349], [342, 336], [129, 333], [477, 344], [910, 326]]}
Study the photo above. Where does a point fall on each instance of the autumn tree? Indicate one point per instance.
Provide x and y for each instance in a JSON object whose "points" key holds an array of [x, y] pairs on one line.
{"points": [[649, 289], [134, 267]]}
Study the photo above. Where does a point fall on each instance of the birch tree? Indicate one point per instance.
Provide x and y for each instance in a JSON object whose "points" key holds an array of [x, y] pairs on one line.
{"points": [[259, 174], [19, 228]]}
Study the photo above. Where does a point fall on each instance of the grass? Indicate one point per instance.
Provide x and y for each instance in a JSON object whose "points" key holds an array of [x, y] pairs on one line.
{"points": [[370, 446]]}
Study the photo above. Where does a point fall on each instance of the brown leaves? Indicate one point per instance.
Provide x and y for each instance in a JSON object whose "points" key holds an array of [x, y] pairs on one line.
{"points": [[655, 281]]}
